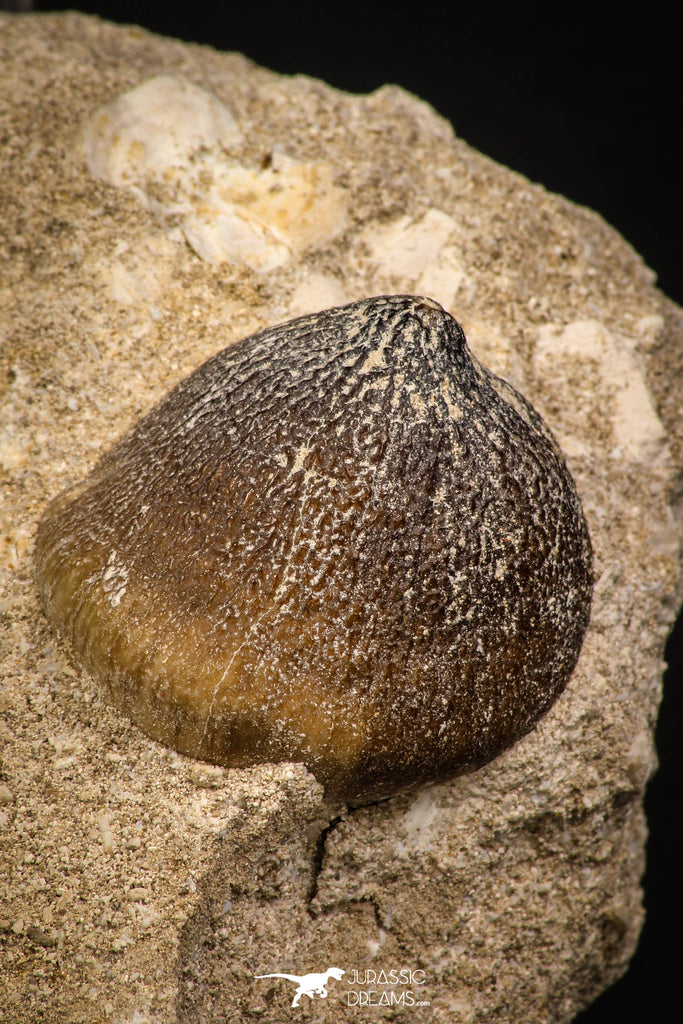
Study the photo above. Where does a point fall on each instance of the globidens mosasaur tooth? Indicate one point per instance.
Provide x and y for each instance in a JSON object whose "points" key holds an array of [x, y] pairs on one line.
{"points": [[340, 541]]}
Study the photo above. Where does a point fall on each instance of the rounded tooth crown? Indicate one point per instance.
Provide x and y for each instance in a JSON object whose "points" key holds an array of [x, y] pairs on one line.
{"points": [[339, 541]]}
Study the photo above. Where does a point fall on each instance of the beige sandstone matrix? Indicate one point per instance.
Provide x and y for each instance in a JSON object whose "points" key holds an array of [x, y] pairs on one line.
{"points": [[159, 202]]}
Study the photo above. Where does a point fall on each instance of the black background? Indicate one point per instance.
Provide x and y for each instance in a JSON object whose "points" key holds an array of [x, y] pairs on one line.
{"points": [[587, 101]]}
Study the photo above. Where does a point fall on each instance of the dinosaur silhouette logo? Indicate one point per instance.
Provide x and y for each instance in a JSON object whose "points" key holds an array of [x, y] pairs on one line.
{"points": [[309, 984]]}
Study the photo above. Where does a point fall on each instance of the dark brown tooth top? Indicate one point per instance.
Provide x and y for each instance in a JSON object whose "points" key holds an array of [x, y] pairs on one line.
{"points": [[340, 541]]}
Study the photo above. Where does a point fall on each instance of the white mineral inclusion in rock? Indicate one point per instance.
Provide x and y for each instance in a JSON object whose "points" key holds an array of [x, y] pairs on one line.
{"points": [[154, 128], [260, 217], [417, 253], [170, 132], [637, 432]]}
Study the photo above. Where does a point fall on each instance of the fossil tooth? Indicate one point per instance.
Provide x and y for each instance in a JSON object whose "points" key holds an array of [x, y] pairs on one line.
{"points": [[340, 541]]}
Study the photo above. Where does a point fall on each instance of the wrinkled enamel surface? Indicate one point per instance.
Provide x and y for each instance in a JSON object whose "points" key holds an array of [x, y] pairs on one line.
{"points": [[341, 541]]}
